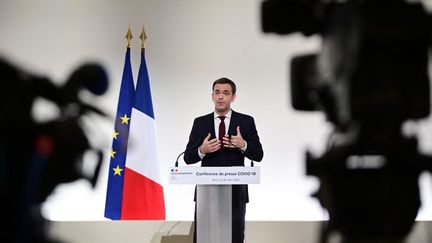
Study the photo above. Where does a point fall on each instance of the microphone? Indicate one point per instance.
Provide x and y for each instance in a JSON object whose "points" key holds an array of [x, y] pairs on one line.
{"points": [[197, 146], [187, 150], [176, 162], [91, 76]]}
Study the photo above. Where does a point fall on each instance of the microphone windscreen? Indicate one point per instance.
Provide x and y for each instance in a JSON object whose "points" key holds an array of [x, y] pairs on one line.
{"points": [[91, 76]]}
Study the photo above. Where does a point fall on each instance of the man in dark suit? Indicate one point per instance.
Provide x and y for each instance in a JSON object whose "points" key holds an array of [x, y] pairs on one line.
{"points": [[214, 145]]}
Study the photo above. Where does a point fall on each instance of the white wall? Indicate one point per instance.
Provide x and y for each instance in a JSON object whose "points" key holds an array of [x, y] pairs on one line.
{"points": [[190, 44]]}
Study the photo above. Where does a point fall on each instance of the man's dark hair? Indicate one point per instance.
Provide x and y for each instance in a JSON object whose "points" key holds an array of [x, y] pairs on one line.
{"points": [[225, 81]]}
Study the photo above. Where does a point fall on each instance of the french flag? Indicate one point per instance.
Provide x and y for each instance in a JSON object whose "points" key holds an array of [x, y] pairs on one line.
{"points": [[143, 196], [134, 190]]}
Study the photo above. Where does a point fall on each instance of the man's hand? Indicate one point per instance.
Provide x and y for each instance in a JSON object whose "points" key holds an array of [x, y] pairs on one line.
{"points": [[209, 146], [236, 141]]}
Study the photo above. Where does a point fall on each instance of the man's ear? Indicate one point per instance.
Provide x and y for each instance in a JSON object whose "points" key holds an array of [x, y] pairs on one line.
{"points": [[234, 97]]}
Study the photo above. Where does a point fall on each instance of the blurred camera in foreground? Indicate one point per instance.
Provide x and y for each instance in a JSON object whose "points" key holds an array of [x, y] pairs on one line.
{"points": [[37, 156], [369, 77]]}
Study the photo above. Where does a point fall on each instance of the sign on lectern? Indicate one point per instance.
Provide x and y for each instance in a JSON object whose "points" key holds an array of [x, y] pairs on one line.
{"points": [[235, 175], [214, 196]]}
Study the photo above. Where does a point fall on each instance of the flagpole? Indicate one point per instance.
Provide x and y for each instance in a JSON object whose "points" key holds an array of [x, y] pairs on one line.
{"points": [[143, 38], [129, 37]]}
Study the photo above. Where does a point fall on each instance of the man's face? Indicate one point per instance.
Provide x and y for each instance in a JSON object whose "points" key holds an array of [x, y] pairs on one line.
{"points": [[222, 97]]}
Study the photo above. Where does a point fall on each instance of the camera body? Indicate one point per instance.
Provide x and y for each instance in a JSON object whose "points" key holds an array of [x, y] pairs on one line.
{"points": [[373, 61], [370, 76]]}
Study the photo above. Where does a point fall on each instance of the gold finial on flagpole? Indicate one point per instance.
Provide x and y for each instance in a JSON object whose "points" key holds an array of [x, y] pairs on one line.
{"points": [[129, 37], [143, 37]]}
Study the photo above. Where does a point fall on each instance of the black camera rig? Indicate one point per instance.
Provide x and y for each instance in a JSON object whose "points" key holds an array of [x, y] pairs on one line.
{"points": [[369, 78]]}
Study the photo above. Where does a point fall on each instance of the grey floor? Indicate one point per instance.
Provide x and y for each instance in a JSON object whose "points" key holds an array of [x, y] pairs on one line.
{"points": [[181, 231]]}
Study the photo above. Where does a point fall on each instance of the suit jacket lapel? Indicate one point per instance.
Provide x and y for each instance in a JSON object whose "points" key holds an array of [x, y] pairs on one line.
{"points": [[232, 130], [211, 124]]}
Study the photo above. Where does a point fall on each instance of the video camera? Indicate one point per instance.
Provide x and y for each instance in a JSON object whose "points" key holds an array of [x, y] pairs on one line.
{"points": [[369, 78], [35, 157]]}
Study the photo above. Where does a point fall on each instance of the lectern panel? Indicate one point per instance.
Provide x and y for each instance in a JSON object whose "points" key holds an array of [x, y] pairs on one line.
{"points": [[214, 210]]}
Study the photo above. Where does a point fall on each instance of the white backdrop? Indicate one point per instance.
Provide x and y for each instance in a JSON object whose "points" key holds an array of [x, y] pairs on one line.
{"points": [[190, 44]]}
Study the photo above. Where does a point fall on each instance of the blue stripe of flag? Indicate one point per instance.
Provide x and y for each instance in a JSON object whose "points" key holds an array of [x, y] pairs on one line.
{"points": [[143, 98]]}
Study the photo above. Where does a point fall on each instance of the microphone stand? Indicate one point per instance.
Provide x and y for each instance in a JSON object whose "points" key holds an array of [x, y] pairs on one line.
{"points": [[176, 162]]}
